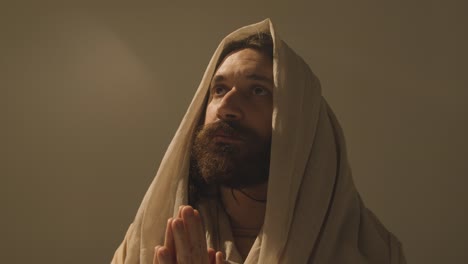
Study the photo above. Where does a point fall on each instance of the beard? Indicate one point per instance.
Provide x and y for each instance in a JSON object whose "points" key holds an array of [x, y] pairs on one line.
{"points": [[234, 165]]}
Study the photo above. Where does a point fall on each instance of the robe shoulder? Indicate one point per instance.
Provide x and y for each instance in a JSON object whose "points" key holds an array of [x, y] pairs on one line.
{"points": [[121, 252]]}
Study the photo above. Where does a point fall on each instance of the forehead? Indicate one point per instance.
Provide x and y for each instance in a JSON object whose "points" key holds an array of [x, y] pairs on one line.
{"points": [[245, 62]]}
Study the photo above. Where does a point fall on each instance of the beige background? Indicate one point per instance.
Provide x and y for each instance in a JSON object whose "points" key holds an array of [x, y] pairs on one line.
{"points": [[91, 97]]}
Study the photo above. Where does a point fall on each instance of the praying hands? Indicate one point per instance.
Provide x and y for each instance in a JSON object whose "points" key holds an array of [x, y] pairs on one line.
{"points": [[185, 241]]}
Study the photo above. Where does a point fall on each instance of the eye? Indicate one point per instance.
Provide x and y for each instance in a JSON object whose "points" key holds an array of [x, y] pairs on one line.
{"points": [[219, 90], [259, 90]]}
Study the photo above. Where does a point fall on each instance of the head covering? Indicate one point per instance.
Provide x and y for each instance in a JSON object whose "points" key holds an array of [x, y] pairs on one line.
{"points": [[313, 214]]}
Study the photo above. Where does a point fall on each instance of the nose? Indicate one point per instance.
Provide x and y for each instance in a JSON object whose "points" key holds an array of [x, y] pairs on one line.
{"points": [[230, 106]]}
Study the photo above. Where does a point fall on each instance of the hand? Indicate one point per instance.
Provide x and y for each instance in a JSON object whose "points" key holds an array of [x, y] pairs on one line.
{"points": [[185, 241]]}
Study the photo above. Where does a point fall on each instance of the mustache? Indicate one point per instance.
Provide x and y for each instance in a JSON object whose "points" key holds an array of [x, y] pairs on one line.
{"points": [[228, 128]]}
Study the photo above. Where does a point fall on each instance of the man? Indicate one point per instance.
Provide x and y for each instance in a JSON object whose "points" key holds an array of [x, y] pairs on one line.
{"points": [[262, 159]]}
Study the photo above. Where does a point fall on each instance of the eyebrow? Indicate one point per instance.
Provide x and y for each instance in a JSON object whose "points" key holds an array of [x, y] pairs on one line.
{"points": [[255, 77]]}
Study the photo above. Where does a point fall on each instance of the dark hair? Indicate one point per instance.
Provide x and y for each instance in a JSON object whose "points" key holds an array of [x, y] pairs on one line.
{"points": [[262, 42]]}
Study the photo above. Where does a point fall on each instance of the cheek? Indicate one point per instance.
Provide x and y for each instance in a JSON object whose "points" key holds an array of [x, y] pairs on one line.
{"points": [[262, 123], [268, 116], [210, 114], [267, 127]]}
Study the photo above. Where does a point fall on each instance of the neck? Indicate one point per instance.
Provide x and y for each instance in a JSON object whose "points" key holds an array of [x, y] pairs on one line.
{"points": [[245, 207], [246, 211]]}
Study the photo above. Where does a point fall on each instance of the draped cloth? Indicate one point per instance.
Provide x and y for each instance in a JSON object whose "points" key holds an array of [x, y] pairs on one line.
{"points": [[314, 213]]}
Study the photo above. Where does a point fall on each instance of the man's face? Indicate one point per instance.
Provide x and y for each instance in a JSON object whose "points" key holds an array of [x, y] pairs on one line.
{"points": [[233, 146]]}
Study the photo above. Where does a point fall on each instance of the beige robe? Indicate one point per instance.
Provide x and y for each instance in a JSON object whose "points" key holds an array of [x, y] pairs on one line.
{"points": [[314, 213]]}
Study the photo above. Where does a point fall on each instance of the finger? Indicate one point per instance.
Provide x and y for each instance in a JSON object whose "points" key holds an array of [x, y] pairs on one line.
{"points": [[181, 241], [196, 236], [169, 239], [197, 214], [155, 258], [219, 257], [179, 214], [211, 255], [164, 256], [202, 229]]}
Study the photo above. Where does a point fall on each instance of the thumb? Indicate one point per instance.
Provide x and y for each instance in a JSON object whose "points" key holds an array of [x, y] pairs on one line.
{"points": [[211, 256], [220, 258]]}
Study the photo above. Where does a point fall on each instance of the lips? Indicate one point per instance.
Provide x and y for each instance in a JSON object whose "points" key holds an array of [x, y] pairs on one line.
{"points": [[226, 138]]}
